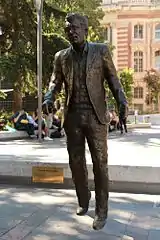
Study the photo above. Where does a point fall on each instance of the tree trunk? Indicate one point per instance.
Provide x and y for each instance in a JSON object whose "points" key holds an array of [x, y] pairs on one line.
{"points": [[17, 100]]}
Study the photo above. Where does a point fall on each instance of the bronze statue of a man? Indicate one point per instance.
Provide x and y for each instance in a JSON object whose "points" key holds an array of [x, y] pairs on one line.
{"points": [[83, 68]]}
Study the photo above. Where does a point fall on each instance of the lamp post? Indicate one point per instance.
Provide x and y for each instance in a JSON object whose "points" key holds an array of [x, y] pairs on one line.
{"points": [[1, 33], [39, 9]]}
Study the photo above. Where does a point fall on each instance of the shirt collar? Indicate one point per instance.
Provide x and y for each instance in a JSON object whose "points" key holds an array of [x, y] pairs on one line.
{"points": [[85, 50]]}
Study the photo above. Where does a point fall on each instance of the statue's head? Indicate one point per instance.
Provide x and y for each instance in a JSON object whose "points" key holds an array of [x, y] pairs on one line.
{"points": [[76, 28]]}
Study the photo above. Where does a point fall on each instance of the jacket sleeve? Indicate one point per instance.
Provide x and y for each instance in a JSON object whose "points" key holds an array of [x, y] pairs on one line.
{"points": [[111, 77], [56, 81]]}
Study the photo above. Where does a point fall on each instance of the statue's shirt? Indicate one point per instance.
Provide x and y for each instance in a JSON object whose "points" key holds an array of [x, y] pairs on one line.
{"points": [[80, 98]]}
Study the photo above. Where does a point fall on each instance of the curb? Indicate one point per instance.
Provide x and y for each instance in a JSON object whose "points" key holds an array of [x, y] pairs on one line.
{"points": [[114, 186]]}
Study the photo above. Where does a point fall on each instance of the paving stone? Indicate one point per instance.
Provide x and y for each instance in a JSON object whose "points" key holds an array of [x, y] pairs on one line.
{"points": [[155, 224], [131, 206], [3, 231], [142, 221], [78, 236], [8, 223], [136, 233], [125, 237], [154, 235], [26, 226], [49, 214], [115, 227], [69, 227], [94, 237]]}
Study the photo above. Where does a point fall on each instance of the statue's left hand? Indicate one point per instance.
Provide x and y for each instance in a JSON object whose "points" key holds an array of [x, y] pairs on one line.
{"points": [[123, 111]]}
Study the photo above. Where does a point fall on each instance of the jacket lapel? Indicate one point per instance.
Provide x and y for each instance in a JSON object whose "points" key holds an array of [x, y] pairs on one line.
{"points": [[69, 68], [68, 72], [90, 58]]}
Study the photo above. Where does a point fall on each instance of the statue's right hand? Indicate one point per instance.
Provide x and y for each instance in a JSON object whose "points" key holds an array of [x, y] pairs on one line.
{"points": [[48, 103]]}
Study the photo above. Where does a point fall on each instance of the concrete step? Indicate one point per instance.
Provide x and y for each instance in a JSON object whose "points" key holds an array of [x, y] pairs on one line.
{"points": [[134, 164], [12, 135], [9, 135]]}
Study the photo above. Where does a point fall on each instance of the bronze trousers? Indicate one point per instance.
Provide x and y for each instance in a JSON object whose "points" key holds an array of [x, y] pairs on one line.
{"points": [[80, 126]]}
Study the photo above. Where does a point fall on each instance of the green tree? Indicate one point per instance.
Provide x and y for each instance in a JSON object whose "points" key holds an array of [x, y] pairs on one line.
{"points": [[18, 47], [152, 79], [126, 78], [91, 8], [18, 41], [2, 95]]}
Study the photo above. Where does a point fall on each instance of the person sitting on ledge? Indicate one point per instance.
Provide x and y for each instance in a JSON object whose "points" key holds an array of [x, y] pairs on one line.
{"points": [[21, 122], [35, 118]]}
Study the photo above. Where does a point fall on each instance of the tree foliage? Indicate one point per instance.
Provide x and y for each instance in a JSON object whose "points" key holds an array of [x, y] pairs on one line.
{"points": [[18, 46], [2, 95], [126, 78], [152, 79], [18, 41], [91, 8]]}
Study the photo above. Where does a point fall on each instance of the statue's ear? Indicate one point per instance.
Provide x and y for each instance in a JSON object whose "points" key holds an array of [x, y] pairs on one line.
{"points": [[86, 16]]}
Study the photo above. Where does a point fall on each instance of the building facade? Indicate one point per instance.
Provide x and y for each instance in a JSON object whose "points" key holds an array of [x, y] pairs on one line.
{"points": [[133, 27]]}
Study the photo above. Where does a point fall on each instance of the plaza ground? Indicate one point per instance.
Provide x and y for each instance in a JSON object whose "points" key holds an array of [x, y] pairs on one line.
{"points": [[31, 213], [49, 214], [133, 160]]}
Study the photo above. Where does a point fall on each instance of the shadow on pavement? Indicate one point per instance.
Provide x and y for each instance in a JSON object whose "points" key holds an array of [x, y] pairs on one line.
{"points": [[55, 143], [49, 214], [145, 137]]}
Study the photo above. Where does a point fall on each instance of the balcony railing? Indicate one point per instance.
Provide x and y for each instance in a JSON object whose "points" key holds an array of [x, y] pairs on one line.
{"points": [[131, 2]]}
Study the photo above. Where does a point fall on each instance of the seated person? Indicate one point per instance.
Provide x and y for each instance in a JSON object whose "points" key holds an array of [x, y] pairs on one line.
{"points": [[21, 122], [35, 119], [113, 125], [3, 123], [53, 121], [56, 122]]}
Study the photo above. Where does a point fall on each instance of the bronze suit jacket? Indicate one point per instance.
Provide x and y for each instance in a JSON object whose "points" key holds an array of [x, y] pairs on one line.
{"points": [[99, 68]]}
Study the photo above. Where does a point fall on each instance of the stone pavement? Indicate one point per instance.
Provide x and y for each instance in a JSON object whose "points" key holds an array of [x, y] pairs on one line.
{"points": [[49, 214]]}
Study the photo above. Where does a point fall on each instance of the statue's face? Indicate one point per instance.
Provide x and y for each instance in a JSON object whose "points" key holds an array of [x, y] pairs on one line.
{"points": [[76, 32]]}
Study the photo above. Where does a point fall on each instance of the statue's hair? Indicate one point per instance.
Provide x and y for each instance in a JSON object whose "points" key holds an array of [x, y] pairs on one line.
{"points": [[83, 19]]}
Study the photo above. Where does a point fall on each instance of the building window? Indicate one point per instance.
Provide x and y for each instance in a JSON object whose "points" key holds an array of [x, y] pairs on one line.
{"points": [[138, 31], [157, 60], [138, 61], [138, 92], [138, 107], [107, 34], [157, 32]]}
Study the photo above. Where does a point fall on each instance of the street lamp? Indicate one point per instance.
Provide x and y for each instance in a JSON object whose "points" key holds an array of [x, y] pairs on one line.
{"points": [[39, 9]]}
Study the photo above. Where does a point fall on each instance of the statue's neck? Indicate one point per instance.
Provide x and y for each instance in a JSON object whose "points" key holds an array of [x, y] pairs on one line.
{"points": [[79, 47]]}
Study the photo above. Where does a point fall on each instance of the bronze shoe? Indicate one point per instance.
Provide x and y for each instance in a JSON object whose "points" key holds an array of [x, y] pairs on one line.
{"points": [[99, 222], [81, 211]]}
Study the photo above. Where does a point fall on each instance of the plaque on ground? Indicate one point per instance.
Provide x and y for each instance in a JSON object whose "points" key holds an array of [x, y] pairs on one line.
{"points": [[41, 174]]}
